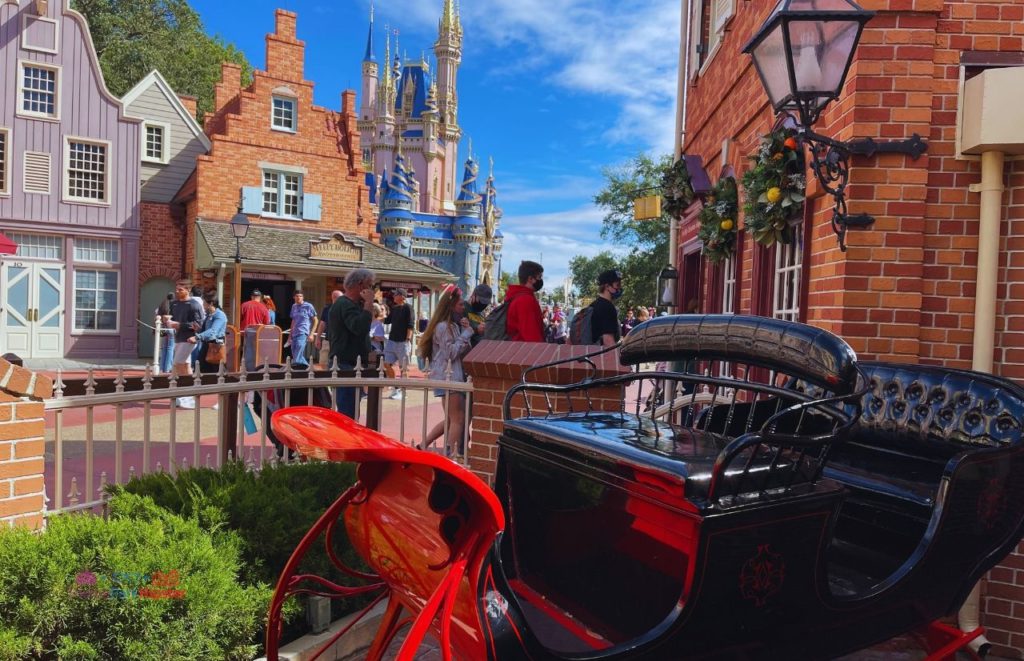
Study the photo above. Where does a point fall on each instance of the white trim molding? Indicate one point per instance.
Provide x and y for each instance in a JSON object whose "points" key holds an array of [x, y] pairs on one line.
{"points": [[24, 33], [107, 167], [165, 144], [155, 78], [57, 96]]}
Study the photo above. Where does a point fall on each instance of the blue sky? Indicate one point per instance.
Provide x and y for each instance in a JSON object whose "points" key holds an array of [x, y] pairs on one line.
{"points": [[553, 90]]}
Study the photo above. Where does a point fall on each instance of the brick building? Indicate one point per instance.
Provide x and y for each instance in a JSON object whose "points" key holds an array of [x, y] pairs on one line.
{"points": [[295, 169], [906, 288]]}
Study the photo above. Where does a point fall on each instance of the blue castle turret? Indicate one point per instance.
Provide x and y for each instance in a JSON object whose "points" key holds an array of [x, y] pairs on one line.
{"points": [[396, 219], [468, 227]]}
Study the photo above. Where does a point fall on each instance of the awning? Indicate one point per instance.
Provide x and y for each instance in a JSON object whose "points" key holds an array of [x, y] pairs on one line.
{"points": [[7, 247]]}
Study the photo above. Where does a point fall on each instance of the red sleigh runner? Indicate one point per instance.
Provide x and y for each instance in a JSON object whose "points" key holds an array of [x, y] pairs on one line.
{"points": [[772, 498]]}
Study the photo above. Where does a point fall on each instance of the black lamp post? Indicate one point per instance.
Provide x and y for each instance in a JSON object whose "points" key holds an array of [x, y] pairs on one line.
{"points": [[668, 279], [239, 228], [803, 53]]}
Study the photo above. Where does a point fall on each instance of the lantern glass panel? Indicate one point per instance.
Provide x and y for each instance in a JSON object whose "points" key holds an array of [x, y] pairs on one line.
{"points": [[820, 5], [821, 53], [772, 64]]}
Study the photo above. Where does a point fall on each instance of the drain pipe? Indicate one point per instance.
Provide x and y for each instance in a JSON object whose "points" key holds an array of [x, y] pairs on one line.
{"points": [[991, 190], [681, 89]]}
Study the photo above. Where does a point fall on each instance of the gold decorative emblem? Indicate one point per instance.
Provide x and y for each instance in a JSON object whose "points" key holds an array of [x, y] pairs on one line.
{"points": [[335, 248]]}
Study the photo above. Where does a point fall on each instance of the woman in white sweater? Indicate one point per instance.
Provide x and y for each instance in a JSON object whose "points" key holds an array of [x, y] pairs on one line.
{"points": [[445, 342]]}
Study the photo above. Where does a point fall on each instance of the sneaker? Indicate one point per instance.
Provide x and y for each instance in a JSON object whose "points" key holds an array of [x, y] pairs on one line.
{"points": [[396, 395], [186, 403]]}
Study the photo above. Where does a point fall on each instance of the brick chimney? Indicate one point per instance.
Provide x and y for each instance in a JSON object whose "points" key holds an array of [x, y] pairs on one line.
{"points": [[190, 103], [229, 86], [285, 53]]}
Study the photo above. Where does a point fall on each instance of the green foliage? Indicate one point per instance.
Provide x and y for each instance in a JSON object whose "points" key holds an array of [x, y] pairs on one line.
{"points": [[270, 511], [718, 221], [584, 271], [59, 589], [774, 188], [133, 37], [646, 239], [676, 189]]}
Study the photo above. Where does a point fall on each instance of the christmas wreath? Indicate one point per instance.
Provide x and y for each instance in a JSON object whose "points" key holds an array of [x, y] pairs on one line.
{"points": [[676, 189], [718, 221], [774, 188]]}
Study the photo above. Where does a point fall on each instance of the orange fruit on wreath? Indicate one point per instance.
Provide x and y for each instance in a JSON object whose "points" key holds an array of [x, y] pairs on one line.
{"points": [[727, 224], [790, 143], [774, 194]]}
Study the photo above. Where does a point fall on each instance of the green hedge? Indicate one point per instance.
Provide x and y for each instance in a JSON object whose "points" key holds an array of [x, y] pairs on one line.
{"points": [[270, 510], [59, 595]]}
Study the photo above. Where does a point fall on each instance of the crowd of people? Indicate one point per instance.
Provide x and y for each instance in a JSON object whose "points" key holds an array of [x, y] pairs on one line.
{"points": [[359, 325]]}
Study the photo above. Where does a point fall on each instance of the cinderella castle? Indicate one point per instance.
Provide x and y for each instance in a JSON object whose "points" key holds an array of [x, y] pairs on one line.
{"points": [[409, 125]]}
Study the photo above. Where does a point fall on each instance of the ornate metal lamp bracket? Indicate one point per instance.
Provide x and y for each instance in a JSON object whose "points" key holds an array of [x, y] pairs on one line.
{"points": [[830, 162]]}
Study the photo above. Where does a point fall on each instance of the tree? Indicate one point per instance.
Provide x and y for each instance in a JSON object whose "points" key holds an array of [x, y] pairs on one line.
{"points": [[133, 37], [648, 239], [585, 270]]}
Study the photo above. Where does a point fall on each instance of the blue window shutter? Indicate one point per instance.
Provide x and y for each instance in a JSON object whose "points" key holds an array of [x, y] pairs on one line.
{"points": [[252, 200], [311, 205]]}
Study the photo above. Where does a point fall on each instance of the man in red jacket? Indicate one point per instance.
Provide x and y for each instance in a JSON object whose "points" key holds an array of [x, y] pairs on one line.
{"points": [[524, 322]]}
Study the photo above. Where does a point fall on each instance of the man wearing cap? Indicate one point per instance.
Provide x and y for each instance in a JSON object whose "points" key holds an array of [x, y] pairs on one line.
{"points": [[396, 347], [253, 312], [479, 301], [605, 320]]}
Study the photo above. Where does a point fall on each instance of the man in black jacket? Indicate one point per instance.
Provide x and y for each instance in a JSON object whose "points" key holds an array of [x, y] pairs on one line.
{"points": [[399, 340], [605, 321], [348, 330]]}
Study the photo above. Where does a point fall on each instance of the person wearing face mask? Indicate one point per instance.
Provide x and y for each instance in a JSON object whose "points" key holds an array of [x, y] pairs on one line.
{"points": [[348, 330], [524, 322], [605, 320], [479, 301]]}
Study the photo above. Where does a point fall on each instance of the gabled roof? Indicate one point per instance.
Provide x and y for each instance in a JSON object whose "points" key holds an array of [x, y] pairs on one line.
{"points": [[155, 78]]}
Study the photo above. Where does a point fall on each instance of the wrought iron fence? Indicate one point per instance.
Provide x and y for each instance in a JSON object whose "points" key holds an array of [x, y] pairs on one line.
{"points": [[108, 430]]}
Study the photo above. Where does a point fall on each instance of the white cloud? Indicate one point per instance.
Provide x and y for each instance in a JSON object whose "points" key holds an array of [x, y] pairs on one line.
{"points": [[626, 50]]}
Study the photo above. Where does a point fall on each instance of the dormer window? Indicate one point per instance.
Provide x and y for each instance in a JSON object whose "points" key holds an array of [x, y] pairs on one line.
{"points": [[283, 116], [155, 148], [39, 91]]}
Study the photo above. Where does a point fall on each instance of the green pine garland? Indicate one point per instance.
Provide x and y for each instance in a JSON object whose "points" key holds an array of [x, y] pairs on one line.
{"points": [[676, 189], [774, 188], [718, 221]]}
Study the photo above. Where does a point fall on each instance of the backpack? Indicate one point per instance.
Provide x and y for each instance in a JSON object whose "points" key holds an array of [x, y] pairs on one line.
{"points": [[496, 323], [582, 329]]}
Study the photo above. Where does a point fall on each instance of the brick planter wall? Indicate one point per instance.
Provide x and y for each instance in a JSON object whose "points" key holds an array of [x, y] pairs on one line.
{"points": [[22, 434], [496, 367]]}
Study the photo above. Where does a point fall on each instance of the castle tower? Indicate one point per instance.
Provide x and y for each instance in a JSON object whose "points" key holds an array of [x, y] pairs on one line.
{"points": [[467, 228], [396, 220], [448, 51], [492, 240], [368, 109]]}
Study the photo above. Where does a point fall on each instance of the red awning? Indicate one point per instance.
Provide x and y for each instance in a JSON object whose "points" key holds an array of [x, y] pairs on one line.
{"points": [[7, 247]]}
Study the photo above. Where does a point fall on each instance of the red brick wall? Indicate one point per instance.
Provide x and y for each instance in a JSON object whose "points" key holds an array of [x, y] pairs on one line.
{"points": [[22, 434], [904, 290], [163, 235], [326, 143]]}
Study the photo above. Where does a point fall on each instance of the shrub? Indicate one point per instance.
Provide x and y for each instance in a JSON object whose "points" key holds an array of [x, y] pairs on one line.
{"points": [[87, 588], [270, 511]]}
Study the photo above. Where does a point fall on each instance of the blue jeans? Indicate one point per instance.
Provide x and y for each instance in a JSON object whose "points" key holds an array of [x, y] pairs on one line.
{"points": [[347, 398], [166, 351], [299, 350]]}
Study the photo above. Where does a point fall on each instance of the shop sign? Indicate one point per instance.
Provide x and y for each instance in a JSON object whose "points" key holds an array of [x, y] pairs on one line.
{"points": [[335, 248], [393, 284], [255, 275]]}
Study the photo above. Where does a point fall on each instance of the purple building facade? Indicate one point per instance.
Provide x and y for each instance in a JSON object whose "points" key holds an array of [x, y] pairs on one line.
{"points": [[69, 192]]}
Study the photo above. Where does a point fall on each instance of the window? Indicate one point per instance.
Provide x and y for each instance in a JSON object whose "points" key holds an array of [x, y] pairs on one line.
{"points": [[86, 171], [96, 299], [97, 251], [707, 28], [283, 114], [282, 194], [729, 285], [156, 137], [5, 168], [788, 267], [40, 246], [39, 90]]}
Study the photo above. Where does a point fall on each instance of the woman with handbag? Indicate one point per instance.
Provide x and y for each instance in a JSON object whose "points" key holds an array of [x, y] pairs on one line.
{"points": [[215, 325]]}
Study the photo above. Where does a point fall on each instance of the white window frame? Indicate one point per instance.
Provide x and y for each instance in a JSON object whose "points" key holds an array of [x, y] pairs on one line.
{"points": [[20, 111], [166, 149], [66, 170], [280, 174], [5, 180], [788, 277], [729, 285], [97, 268], [39, 49], [716, 31], [32, 241], [295, 113], [110, 263]]}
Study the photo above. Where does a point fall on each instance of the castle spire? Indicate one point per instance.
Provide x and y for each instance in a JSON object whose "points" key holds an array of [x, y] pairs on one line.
{"points": [[370, 57]]}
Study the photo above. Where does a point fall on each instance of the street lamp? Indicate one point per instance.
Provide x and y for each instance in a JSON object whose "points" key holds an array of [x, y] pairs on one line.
{"points": [[803, 53], [667, 281], [239, 228]]}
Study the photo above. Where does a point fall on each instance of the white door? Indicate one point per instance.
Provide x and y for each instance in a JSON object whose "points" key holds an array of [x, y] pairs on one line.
{"points": [[32, 321]]}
